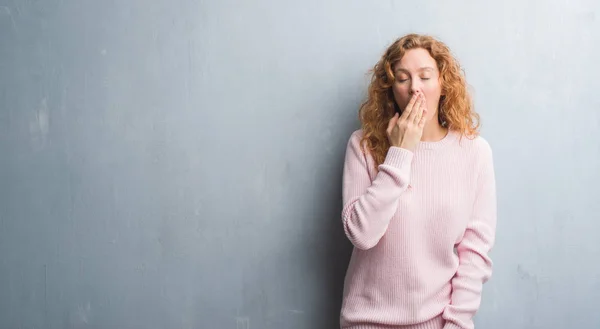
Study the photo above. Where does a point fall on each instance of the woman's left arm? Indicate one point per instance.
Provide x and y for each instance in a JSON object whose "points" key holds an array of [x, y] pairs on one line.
{"points": [[475, 265]]}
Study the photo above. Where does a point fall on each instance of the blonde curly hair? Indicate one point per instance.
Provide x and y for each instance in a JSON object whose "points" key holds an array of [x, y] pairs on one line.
{"points": [[455, 109]]}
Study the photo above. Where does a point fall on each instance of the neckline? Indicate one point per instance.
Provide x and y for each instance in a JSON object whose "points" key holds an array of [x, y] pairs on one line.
{"points": [[447, 139]]}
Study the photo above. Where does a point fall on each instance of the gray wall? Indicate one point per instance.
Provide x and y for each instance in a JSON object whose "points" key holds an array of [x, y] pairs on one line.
{"points": [[177, 163]]}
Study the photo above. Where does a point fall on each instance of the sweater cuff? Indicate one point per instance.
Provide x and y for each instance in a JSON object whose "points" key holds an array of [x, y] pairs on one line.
{"points": [[452, 325], [398, 157]]}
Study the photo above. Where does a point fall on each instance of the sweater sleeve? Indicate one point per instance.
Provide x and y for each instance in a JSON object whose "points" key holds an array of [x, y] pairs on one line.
{"points": [[368, 206], [475, 265]]}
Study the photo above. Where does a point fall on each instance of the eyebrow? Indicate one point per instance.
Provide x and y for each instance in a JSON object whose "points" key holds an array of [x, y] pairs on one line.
{"points": [[424, 68]]}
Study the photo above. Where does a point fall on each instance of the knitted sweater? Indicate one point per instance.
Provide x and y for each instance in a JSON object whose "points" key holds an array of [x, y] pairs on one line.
{"points": [[422, 226]]}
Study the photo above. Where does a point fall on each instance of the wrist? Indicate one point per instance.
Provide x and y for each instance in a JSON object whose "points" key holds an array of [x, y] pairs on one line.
{"points": [[407, 146]]}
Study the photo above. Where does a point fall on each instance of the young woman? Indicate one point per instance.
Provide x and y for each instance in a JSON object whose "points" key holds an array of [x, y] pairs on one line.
{"points": [[419, 196]]}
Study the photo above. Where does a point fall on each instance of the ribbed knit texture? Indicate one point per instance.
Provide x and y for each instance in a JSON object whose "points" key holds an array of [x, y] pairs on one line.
{"points": [[422, 226]]}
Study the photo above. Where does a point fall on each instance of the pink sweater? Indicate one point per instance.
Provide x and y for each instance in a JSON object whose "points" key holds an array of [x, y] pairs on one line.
{"points": [[422, 227]]}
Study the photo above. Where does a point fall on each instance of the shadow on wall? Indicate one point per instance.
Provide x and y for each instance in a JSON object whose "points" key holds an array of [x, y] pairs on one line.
{"points": [[333, 249]]}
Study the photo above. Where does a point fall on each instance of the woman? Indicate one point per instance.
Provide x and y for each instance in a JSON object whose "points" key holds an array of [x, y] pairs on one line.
{"points": [[419, 196]]}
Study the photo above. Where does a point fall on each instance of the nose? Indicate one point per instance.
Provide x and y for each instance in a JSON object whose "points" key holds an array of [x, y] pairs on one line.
{"points": [[415, 88]]}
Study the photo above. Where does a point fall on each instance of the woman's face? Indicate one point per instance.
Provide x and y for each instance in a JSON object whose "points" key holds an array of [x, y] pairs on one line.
{"points": [[417, 71]]}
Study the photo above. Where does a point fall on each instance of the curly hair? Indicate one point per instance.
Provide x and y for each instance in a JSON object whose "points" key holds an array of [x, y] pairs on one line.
{"points": [[455, 109]]}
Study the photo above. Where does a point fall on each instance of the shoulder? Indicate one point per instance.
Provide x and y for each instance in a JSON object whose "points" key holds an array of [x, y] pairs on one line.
{"points": [[355, 139], [482, 146], [476, 152], [481, 155], [476, 145], [356, 135], [356, 148]]}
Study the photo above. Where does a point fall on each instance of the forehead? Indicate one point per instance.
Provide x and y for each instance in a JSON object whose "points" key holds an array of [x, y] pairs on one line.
{"points": [[416, 60]]}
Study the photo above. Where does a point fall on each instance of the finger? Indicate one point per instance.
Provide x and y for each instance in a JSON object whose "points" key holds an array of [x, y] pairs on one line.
{"points": [[409, 106], [423, 119], [414, 111], [392, 122], [421, 110], [418, 115]]}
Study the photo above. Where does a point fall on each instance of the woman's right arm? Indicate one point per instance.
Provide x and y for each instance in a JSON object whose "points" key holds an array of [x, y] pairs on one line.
{"points": [[368, 206]]}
